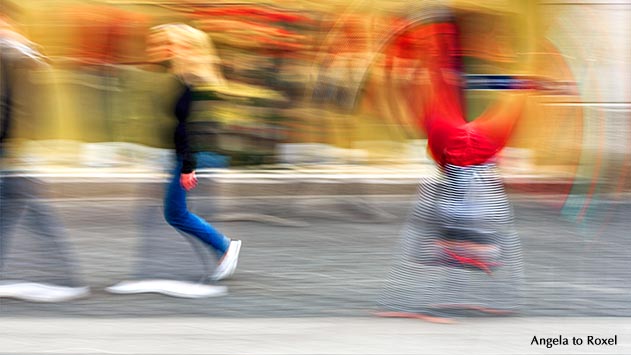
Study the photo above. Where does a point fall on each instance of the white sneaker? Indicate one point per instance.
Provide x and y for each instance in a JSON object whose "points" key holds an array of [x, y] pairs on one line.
{"points": [[41, 292], [228, 263], [172, 288]]}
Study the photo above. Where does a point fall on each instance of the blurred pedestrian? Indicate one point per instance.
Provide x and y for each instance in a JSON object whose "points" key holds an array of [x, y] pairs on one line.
{"points": [[20, 195], [192, 58], [459, 248]]}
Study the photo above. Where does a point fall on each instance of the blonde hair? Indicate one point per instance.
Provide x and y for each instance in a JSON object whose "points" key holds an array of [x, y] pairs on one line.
{"points": [[194, 57]]}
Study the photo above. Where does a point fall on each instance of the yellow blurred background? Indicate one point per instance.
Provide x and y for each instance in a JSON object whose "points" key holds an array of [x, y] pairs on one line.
{"points": [[314, 72]]}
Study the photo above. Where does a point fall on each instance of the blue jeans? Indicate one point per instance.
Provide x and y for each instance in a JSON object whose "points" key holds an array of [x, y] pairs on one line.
{"points": [[177, 215]]}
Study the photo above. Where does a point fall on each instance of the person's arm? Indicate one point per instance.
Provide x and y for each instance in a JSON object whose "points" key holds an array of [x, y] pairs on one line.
{"points": [[188, 181], [5, 99], [497, 122], [8, 58], [182, 146]]}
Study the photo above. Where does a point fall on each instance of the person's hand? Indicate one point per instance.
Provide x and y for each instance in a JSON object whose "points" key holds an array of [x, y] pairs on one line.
{"points": [[188, 181]]}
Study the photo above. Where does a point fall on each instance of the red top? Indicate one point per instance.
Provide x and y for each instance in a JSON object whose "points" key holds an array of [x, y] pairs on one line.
{"points": [[451, 139]]}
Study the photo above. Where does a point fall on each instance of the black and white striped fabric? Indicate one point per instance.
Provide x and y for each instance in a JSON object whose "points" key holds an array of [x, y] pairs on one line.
{"points": [[471, 203]]}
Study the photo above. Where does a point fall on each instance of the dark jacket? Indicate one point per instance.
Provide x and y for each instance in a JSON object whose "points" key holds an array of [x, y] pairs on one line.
{"points": [[13, 56], [181, 137], [7, 64]]}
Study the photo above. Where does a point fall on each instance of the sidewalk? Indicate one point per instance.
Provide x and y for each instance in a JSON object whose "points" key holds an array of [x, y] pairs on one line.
{"points": [[307, 290], [279, 336]]}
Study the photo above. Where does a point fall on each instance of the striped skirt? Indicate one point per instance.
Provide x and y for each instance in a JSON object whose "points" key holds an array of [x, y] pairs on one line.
{"points": [[466, 205]]}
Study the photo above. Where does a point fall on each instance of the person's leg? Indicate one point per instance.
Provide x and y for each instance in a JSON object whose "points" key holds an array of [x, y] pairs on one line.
{"points": [[42, 220], [46, 224], [177, 215], [12, 205], [416, 282]]}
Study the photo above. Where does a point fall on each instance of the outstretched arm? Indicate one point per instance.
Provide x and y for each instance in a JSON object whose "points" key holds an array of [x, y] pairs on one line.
{"points": [[497, 122]]}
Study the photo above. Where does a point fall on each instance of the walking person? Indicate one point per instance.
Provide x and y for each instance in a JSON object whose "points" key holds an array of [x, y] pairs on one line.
{"points": [[191, 57], [20, 195], [459, 249], [188, 55]]}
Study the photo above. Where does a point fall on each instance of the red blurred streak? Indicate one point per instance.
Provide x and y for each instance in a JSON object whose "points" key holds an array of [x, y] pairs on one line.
{"points": [[248, 25], [273, 16], [101, 29], [486, 267]]}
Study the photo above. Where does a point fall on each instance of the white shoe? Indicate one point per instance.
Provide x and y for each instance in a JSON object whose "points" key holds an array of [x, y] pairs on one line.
{"points": [[228, 263], [41, 292], [172, 288]]}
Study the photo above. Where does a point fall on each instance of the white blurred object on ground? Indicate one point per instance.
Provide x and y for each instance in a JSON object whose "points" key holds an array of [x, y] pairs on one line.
{"points": [[42, 292], [172, 288]]}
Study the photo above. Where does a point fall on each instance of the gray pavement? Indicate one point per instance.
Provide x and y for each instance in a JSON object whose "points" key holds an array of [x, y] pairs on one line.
{"points": [[333, 266], [312, 267]]}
